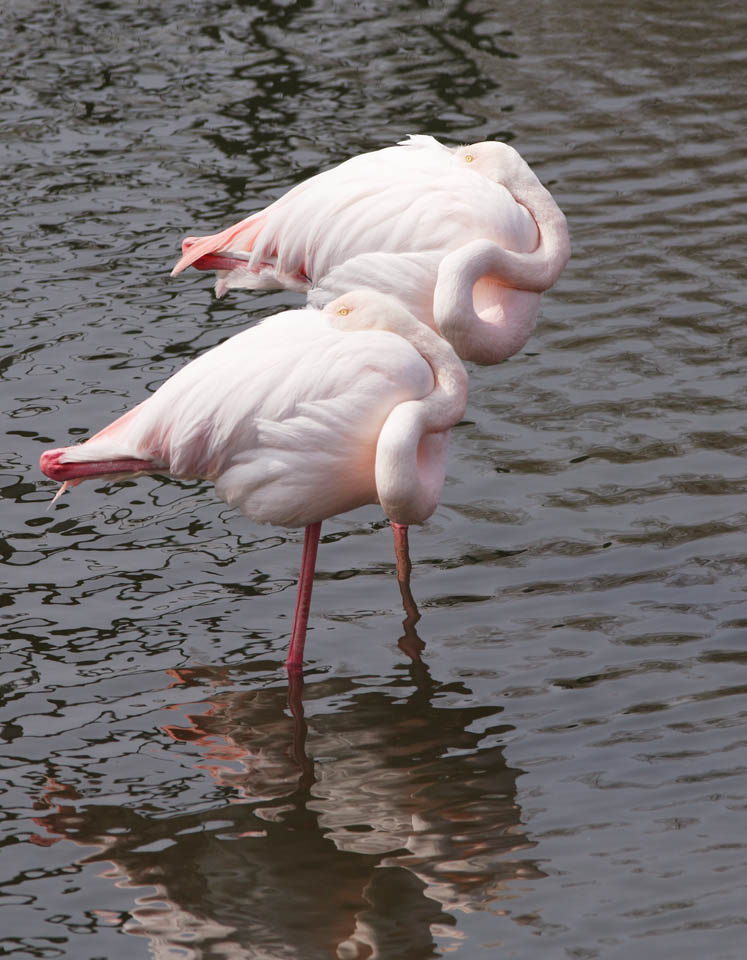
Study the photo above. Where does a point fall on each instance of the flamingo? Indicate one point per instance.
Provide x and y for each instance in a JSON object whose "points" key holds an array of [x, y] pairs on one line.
{"points": [[308, 414], [466, 237]]}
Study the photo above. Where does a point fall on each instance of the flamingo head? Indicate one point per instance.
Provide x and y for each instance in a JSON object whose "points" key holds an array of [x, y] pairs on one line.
{"points": [[367, 310], [491, 158]]}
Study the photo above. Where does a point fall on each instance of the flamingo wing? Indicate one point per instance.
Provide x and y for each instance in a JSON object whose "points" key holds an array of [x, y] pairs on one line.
{"points": [[284, 417]]}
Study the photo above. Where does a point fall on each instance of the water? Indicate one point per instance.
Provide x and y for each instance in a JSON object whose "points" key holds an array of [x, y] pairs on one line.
{"points": [[563, 775]]}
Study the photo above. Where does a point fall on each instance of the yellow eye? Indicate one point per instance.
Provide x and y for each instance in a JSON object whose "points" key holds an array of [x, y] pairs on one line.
{"points": [[468, 157], [343, 312]]}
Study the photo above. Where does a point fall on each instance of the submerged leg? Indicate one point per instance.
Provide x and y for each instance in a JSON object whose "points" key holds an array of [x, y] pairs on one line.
{"points": [[303, 598], [410, 643], [300, 729]]}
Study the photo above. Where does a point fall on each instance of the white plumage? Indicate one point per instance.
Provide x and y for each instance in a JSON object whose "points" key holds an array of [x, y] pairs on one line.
{"points": [[284, 417], [400, 221]]}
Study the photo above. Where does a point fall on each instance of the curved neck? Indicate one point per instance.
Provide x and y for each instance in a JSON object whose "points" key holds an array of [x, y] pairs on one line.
{"points": [[411, 450], [454, 312]]}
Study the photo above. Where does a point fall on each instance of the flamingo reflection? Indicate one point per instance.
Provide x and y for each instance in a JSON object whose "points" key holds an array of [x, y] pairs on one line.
{"points": [[404, 817]]}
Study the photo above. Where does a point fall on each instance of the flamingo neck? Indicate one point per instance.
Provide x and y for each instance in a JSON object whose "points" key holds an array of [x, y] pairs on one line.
{"points": [[490, 339], [411, 451]]}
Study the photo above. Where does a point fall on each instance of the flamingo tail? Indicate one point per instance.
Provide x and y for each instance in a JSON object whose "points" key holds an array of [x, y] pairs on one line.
{"points": [[195, 248]]}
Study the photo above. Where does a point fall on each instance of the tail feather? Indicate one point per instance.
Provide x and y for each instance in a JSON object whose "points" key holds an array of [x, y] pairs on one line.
{"points": [[106, 453], [55, 465], [193, 248]]}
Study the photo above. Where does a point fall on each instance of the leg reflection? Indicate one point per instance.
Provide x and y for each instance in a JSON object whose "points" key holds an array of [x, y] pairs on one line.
{"points": [[300, 729]]}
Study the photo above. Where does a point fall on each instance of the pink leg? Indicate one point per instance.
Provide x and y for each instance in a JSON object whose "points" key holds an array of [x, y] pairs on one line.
{"points": [[410, 643], [303, 598], [401, 552]]}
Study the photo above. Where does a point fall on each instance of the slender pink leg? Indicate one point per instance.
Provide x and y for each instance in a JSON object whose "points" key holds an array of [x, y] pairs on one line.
{"points": [[410, 643], [404, 567], [303, 598], [401, 552]]}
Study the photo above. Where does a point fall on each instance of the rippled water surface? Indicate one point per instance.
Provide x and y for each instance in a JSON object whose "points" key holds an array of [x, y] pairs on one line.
{"points": [[563, 774]]}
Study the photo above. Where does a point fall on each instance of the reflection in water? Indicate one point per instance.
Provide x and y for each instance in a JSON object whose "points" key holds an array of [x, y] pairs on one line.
{"points": [[364, 851]]}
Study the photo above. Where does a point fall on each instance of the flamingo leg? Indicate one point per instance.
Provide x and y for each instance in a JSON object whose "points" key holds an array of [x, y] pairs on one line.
{"points": [[410, 643], [404, 567], [303, 598], [300, 729]]}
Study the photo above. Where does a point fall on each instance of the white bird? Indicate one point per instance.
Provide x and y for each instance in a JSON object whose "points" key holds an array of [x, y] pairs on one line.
{"points": [[306, 415], [467, 238]]}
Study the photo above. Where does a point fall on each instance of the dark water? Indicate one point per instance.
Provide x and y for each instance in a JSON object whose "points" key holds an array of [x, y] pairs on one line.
{"points": [[564, 775]]}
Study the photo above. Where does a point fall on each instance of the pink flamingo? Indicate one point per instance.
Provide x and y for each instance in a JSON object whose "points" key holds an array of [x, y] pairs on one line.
{"points": [[306, 415], [466, 238]]}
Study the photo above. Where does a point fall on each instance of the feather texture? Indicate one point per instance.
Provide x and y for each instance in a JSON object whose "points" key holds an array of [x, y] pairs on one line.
{"points": [[389, 220], [286, 417]]}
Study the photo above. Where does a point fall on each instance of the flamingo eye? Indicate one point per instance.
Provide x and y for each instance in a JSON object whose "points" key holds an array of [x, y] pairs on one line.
{"points": [[468, 158], [343, 312]]}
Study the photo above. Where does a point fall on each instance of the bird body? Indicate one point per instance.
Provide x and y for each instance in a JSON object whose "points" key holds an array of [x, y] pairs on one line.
{"points": [[286, 418], [388, 219], [414, 197], [274, 418]]}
